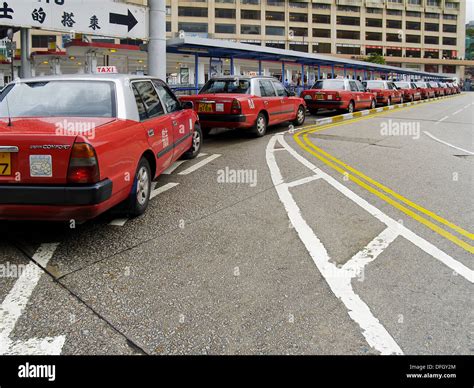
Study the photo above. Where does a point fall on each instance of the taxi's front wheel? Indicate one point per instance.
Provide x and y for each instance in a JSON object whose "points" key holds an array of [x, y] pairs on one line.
{"points": [[141, 190]]}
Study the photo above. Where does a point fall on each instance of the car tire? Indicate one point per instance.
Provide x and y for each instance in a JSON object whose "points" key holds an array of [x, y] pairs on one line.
{"points": [[300, 116], [141, 190], [389, 101], [260, 127], [401, 100], [350, 108], [313, 111], [196, 145], [373, 104], [412, 99]]}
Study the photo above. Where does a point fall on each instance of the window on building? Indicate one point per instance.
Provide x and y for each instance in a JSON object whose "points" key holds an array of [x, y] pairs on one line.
{"points": [[42, 41], [321, 33], [373, 22], [394, 37], [193, 27], [394, 12], [302, 48], [322, 19], [431, 68], [348, 50], [413, 14], [450, 17], [299, 31], [251, 2], [449, 41], [192, 12], [298, 17], [412, 39], [225, 29], [431, 27], [274, 30], [348, 8], [394, 24], [275, 3], [394, 52], [321, 6], [413, 53], [431, 15], [225, 13], [431, 39], [451, 69], [250, 14], [414, 2], [348, 21], [374, 10], [275, 45], [449, 28], [433, 3], [413, 25], [373, 36], [276, 16], [249, 29], [344, 34], [431, 54], [322, 48]]}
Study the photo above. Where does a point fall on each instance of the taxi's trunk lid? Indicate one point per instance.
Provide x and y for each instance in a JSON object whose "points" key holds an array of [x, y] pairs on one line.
{"points": [[37, 150], [322, 94], [215, 103]]}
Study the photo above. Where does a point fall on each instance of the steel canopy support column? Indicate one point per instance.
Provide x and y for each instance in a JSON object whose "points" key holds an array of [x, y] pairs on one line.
{"points": [[157, 41], [259, 67], [196, 72], [283, 75], [319, 71], [232, 69], [25, 53], [332, 72], [302, 75]]}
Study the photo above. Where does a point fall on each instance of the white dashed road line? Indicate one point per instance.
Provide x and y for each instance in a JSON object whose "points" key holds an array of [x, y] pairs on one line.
{"points": [[458, 111], [162, 189], [446, 143], [202, 163], [15, 303], [441, 120], [173, 167]]}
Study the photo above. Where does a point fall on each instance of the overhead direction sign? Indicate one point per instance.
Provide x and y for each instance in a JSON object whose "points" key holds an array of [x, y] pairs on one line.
{"points": [[91, 17]]}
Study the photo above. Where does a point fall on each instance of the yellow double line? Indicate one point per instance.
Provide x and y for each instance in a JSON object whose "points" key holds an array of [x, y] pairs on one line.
{"points": [[383, 191]]}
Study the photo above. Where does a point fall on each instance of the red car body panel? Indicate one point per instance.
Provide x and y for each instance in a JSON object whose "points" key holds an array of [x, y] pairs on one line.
{"points": [[215, 110], [411, 93], [383, 95], [337, 99], [119, 145]]}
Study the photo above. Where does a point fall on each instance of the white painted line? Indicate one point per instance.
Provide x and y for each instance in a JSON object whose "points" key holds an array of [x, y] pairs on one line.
{"points": [[373, 331], [303, 181], [446, 143], [118, 222], [197, 166], [420, 242], [173, 167], [457, 112], [441, 120], [15, 303], [279, 149], [379, 110], [162, 189], [355, 265], [467, 106], [201, 155]]}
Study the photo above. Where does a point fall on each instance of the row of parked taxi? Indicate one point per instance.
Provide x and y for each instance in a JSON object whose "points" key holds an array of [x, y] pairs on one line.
{"points": [[73, 147]]}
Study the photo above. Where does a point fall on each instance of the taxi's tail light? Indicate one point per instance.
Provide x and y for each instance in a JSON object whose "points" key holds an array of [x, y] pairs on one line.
{"points": [[236, 108], [83, 165]]}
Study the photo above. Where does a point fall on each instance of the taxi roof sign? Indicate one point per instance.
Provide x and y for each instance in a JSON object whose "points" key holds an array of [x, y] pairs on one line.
{"points": [[106, 70]]}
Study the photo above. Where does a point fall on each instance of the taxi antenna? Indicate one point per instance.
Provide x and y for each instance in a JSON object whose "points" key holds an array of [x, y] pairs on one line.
{"points": [[10, 124]]}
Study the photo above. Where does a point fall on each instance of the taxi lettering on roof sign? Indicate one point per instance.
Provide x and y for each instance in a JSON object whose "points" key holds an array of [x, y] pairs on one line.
{"points": [[107, 69]]}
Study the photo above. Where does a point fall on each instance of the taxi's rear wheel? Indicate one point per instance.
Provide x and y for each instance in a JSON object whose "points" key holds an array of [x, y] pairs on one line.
{"points": [[300, 116], [401, 100], [260, 127], [373, 104], [389, 101], [350, 108], [141, 190], [196, 145]]}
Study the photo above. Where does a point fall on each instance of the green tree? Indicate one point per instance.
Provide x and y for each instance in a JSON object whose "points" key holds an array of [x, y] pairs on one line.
{"points": [[376, 58]]}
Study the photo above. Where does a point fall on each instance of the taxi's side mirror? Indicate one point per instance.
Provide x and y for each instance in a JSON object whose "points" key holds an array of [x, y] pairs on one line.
{"points": [[187, 105]]}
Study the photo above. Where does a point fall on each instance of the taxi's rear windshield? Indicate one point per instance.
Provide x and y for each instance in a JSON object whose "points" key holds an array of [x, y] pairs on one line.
{"points": [[374, 84], [241, 86], [329, 84], [59, 99]]}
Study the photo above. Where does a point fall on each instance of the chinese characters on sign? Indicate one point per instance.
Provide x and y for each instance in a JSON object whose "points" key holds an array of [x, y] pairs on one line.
{"points": [[105, 17]]}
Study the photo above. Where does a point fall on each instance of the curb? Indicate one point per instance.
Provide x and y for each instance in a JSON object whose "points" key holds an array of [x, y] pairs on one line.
{"points": [[362, 113]]}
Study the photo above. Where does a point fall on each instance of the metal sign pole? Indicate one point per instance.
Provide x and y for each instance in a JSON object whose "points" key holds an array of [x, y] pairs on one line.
{"points": [[157, 42], [25, 53]]}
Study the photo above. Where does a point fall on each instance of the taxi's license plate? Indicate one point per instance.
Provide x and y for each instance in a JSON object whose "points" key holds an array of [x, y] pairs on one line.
{"points": [[319, 96], [205, 108], [5, 163]]}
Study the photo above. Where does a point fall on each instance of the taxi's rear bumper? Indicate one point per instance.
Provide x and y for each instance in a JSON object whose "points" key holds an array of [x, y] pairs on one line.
{"points": [[224, 118], [56, 195]]}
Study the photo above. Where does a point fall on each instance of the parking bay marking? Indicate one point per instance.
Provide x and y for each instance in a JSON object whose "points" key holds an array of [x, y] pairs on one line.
{"points": [[319, 152], [162, 189], [202, 163], [446, 143], [15, 303], [339, 279]]}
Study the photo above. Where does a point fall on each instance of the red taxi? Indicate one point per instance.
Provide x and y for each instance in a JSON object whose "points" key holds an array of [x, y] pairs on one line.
{"points": [[446, 88], [340, 94], [72, 147], [425, 90], [409, 89], [439, 91], [252, 103], [385, 91]]}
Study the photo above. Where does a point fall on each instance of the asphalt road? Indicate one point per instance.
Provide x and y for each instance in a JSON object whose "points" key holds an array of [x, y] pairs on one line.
{"points": [[353, 238]]}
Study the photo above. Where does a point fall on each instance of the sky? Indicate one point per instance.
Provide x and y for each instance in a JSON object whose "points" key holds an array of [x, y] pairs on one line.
{"points": [[469, 10]]}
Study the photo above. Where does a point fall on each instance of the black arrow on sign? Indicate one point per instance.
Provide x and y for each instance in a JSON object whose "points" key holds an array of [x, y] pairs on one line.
{"points": [[124, 20]]}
